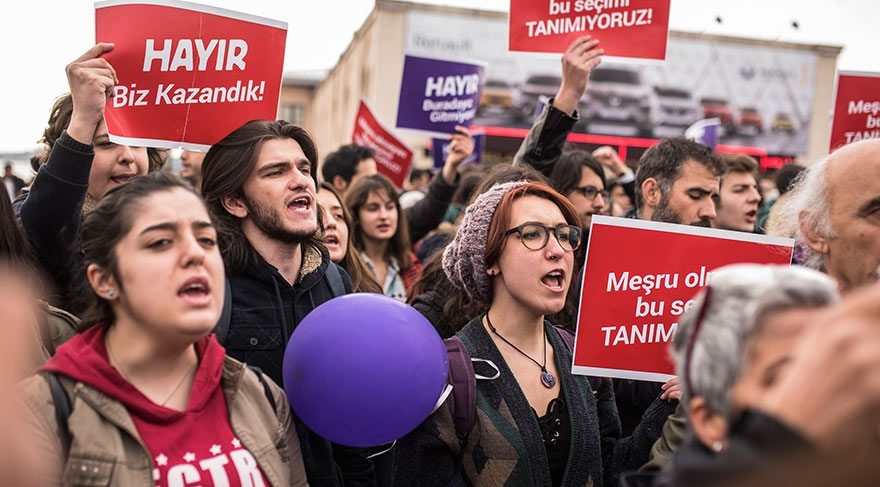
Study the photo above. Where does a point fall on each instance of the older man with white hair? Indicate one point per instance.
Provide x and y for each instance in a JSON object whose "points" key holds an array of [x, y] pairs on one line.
{"points": [[836, 205], [729, 350]]}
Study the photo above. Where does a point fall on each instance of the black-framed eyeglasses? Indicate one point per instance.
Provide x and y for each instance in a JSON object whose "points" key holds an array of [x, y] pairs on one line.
{"points": [[536, 235], [689, 352], [590, 192]]}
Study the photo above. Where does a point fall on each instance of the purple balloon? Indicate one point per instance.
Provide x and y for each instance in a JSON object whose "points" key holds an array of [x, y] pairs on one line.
{"points": [[364, 369]]}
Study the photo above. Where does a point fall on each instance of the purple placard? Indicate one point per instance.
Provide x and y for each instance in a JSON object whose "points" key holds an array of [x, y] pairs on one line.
{"points": [[440, 149], [436, 95], [705, 131]]}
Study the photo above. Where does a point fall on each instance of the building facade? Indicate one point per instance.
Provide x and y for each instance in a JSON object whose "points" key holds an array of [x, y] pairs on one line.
{"points": [[773, 98]]}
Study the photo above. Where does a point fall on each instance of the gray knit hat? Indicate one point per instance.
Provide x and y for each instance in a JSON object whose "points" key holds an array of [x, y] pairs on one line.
{"points": [[464, 259]]}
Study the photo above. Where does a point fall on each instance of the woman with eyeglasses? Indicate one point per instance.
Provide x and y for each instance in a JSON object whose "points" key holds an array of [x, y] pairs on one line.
{"points": [[536, 423], [581, 179]]}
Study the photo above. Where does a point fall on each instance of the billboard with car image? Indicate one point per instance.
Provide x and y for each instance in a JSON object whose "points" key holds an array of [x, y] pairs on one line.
{"points": [[762, 93]]}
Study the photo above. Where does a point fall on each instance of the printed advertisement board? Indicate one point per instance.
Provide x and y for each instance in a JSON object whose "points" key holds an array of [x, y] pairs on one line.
{"points": [[763, 95]]}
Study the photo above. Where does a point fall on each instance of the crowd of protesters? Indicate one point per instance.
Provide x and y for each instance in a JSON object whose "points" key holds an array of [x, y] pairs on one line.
{"points": [[148, 325]]}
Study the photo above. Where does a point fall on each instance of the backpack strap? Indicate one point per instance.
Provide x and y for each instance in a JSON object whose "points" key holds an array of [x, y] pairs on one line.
{"points": [[463, 379], [266, 389], [464, 386], [221, 329], [334, 280], [567, 336], [63, 408]]}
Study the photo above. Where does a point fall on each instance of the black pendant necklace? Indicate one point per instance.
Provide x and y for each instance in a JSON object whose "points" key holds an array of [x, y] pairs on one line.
{"points": [[548, 379]]}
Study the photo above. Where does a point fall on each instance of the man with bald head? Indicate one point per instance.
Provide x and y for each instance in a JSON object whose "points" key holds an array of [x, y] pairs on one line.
{"points": [[837, 208]]}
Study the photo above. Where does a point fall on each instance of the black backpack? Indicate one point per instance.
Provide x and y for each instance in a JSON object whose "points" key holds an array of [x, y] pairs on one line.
{"points": [[463, 379]]}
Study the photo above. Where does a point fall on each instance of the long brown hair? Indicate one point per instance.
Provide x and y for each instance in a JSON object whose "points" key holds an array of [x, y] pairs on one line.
{"points": [[228, 165], [399, 247], [14, 245], [362, 280], [16, 255]]}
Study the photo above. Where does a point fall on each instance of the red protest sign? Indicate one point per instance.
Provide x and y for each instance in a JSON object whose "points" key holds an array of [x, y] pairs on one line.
{"points": [[188, 74], [639, 278], [856, 108], [393, 157], [625, 28]]}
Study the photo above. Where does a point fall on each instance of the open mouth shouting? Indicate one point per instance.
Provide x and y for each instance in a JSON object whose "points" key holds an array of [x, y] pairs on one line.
{"points": [[302, 203], [196, 291], [331, 240], [752, 216], [554, 280]]}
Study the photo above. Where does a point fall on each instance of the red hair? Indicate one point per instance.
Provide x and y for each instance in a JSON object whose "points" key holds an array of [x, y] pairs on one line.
{"points": [[497, 238]]}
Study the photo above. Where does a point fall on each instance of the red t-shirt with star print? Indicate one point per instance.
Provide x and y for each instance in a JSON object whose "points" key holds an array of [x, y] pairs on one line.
{"points": [[192, 447]]}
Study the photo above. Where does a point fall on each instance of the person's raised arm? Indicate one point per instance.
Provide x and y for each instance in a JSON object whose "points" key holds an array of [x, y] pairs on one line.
{"points": [[578, 62], [609, 158], [91, 79], [52, 210], [460, 149], [427, 213], [543, 145]]}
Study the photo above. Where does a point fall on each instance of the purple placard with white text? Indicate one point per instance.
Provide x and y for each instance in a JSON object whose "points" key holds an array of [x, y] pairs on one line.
{"points": [[436, 94], [440, 149]]}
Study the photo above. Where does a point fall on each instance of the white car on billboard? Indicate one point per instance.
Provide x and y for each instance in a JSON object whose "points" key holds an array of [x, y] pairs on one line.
{"points": [[676, 107], [621, 95]]}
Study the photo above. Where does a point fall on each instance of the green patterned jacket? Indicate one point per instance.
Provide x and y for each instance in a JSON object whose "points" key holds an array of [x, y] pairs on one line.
{"points": [[506, 447]]}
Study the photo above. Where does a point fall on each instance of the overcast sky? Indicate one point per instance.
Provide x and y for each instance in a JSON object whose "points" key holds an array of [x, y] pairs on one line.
{"points": [[42, 36]]}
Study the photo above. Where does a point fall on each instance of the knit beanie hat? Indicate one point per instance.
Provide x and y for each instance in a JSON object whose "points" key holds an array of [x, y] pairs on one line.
{"points": [[464, 260]]}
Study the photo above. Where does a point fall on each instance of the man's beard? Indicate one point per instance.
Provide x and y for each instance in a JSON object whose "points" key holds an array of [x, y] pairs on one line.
{"points": [[268, 221], [664, 213]]}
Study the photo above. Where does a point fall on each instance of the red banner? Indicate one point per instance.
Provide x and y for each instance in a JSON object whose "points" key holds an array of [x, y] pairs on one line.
{"points": [[639, 278], [393, 157], [625, 28], [856, 109], [188, 74]]}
